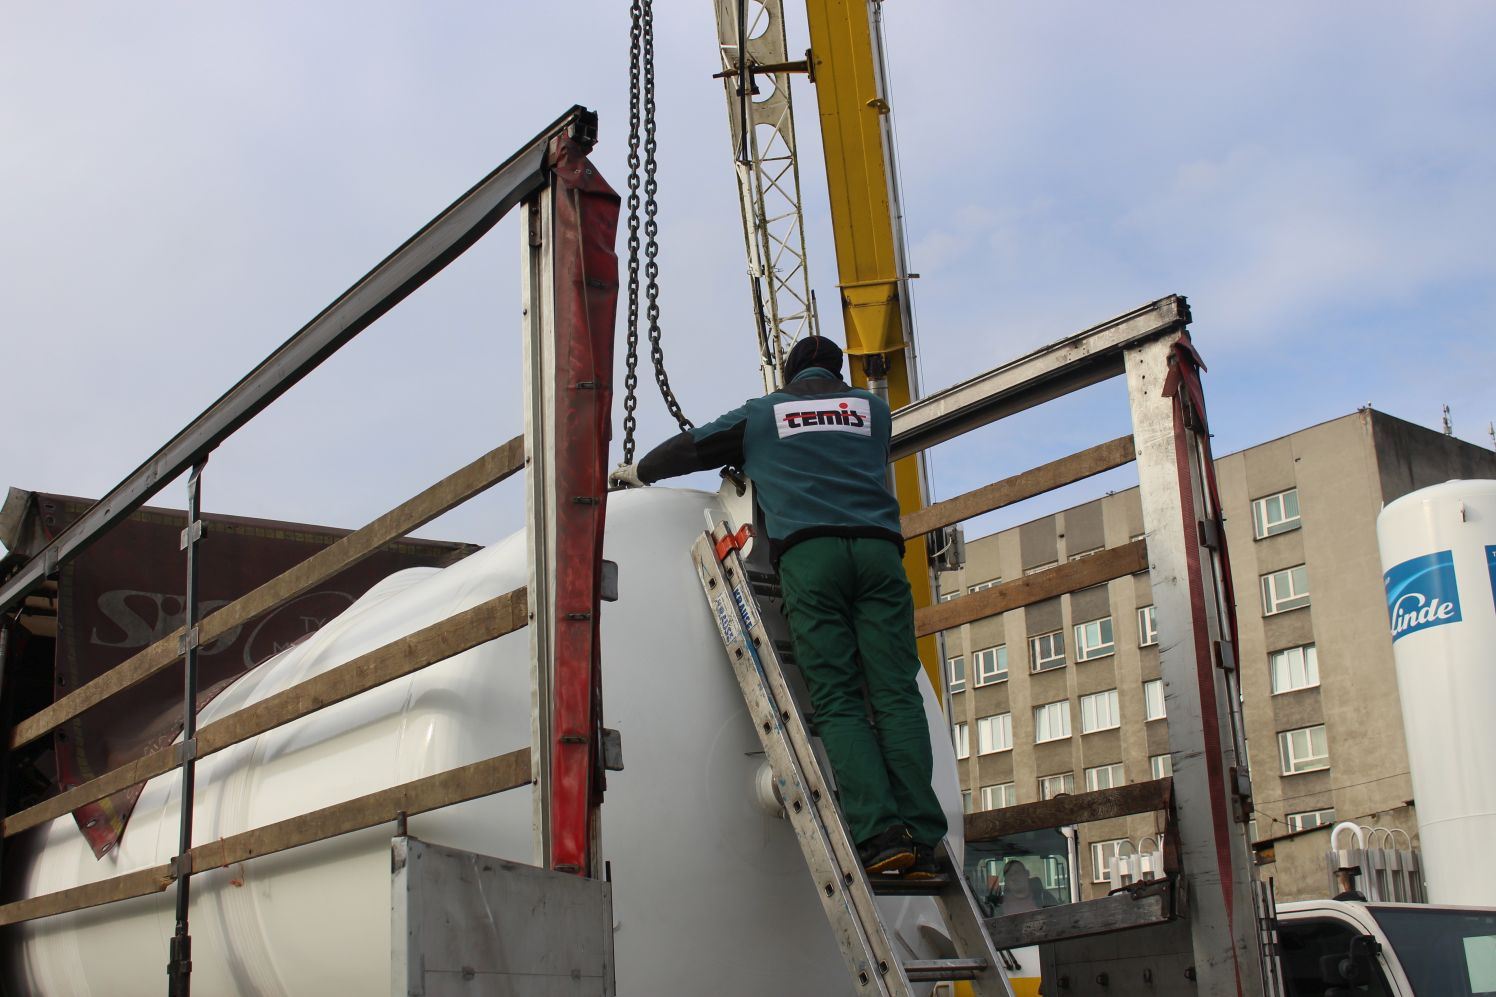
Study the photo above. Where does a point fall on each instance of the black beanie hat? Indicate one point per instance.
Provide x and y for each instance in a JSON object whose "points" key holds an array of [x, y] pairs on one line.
{"points": [[813, 351]]}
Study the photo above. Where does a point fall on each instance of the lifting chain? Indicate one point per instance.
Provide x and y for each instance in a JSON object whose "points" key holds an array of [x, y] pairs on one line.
{"points": [[642, 88]]}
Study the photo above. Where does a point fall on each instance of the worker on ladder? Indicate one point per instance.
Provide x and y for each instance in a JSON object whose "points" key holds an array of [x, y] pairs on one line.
{"points": [[817, 452]]}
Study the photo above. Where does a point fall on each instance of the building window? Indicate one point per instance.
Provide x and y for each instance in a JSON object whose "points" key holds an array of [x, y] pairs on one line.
{"points": [[991, 664], [961, 734], [1052, 721], [1103, 854], [1094, 639], [1304, 750], [1285, 590], [1041, 567], [948, 596], [1047, 651], [1153, 699], [1098, 711], [1084, 553], [1275, 514], [1147, 627], [1105, 777], [1051, 786], [1294, 668], [996, 797], [966, 801], [957, 668], [989, 583], [994, 733], [1162, 766], [1307, 819]]}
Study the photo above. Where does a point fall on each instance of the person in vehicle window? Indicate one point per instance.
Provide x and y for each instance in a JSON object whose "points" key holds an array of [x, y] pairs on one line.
{"points": [[1022, 892], [817, 452]]}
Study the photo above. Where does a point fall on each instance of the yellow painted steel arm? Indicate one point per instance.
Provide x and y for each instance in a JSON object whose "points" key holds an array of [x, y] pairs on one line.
{"points": [[871, 271]]}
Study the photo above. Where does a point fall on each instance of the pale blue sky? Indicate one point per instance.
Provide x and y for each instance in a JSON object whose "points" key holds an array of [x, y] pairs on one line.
{"points": [[182, 185]]}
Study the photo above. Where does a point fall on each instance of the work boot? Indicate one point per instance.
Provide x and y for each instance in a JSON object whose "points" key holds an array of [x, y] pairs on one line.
{"points": [[924, 865], [887, 852]]}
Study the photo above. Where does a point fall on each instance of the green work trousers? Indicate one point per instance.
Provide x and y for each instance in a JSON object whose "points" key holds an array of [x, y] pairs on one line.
{"points": [[852, 620]]}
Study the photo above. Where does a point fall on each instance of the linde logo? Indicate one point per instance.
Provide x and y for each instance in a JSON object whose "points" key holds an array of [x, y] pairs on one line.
{"points": [[838, 415], [1422, 593]]}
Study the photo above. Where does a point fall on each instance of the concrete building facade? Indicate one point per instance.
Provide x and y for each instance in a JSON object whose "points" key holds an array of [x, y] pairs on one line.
{"points": [[1066, 695]]}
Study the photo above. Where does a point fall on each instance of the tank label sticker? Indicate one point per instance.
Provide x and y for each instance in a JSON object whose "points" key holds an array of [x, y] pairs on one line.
{"points": [[826, 415], [1422, 593], [1491, 566]]}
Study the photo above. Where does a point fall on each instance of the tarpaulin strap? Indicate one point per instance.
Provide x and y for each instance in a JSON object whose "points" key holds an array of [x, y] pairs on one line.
{"points": [[585, 268], [1184, 367], [734, 541]]}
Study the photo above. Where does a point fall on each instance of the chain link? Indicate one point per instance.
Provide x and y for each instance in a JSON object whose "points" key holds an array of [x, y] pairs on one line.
{"points": [[651, 227], [631, 356], [642, 88]]}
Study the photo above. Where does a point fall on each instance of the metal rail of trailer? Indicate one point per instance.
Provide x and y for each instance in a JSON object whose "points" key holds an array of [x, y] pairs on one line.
{"points": [[1205, 926], [570, 291]]}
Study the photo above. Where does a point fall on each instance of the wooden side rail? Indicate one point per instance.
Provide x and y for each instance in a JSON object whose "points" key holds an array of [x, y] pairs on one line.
{"points": [[1135, 907], [451, 491], [469, 782], [403, 656], [1045, 478], [1076, 808], [1103, 566]]}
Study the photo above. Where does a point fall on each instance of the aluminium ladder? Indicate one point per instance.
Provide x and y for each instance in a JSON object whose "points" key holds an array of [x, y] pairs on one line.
{"points": [[846, 891]]}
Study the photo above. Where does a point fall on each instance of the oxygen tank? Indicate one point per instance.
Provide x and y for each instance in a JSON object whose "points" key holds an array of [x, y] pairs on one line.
{"points": [[710, 890], [1438, 548]]}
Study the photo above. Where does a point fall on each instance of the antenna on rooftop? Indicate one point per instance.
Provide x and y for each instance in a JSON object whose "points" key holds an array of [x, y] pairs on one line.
{"points": [[1448, 424], [1491, 431]]}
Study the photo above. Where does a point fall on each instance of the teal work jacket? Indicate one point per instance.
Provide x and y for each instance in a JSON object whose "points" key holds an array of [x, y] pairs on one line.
{"points": [[817, 451]]}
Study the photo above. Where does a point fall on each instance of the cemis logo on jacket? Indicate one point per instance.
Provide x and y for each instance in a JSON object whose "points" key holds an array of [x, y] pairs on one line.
{"points": [[824, 415], [1422, 593]]}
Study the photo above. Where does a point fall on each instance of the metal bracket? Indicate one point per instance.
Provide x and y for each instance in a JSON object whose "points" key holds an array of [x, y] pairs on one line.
{"points": [[583, 129], [1225, 655], [612, 748], [185, 751], [188, 640], [192, 534], [181, 866], [609, 581], [1210, 533], [49, 563]]}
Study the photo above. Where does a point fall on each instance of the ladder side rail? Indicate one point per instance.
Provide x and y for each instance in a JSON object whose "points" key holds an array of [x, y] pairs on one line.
{"points": [[855, 932], [965, 925], [846, 864], [1212, 830]]}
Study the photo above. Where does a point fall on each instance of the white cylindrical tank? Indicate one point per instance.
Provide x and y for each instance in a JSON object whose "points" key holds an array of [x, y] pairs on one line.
{"points": [[1438, 549], [710, 891]]}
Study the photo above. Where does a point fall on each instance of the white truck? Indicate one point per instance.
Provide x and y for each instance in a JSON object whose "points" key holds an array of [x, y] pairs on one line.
{"points": [[1336, 947]]}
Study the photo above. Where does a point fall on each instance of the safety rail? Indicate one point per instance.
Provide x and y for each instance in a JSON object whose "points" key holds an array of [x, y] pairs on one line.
{"points": [[570, 285], [1208, 799], [1136, 906]]}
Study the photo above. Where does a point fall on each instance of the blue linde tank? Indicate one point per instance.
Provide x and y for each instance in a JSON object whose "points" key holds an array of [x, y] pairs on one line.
{"points": [[711, 893], [1438, 548]]}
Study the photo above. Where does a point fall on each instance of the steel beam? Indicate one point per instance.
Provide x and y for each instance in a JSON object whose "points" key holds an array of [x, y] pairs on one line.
{"points": [[1083, 359], [1198, 693], [421, 257]]}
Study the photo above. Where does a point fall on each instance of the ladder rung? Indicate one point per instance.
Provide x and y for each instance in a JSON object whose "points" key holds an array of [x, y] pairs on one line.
{"points": [[898, 886], [940, 970]]}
